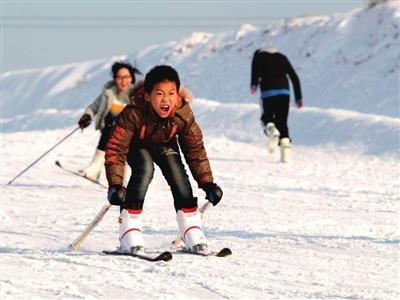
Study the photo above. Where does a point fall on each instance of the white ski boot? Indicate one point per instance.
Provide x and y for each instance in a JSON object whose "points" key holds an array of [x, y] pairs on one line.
{"points": [[273, 134], [286, 150], [130, 232], [94, 169], [191, 231]]}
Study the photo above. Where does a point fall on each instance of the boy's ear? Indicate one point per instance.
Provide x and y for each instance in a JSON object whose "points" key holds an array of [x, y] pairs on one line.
{"points": [[147, 96], [179, 102]]}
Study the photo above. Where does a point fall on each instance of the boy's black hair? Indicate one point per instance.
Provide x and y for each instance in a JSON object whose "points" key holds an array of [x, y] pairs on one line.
{"points": [[119, 65], [159, 74]]}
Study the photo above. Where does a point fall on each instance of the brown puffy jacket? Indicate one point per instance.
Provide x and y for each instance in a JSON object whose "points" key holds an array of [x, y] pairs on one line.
{"points": [[138, 125]]}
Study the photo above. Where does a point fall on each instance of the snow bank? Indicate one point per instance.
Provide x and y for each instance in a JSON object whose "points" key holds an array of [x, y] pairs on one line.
{"points": [[348, 61]]}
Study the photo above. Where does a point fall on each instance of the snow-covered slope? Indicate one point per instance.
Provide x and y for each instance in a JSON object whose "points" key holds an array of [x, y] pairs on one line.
{"points": [[348, 61], [323, 227]]}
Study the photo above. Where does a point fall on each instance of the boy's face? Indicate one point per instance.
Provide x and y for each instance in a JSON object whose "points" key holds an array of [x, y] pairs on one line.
{"points": [[163, 98]]}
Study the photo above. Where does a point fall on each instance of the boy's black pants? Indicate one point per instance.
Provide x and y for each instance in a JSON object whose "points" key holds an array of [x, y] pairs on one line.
{"points": [[276, 110], [141, 159]]}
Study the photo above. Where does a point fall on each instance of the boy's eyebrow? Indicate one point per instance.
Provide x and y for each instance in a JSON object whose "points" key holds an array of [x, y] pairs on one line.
{"points": [[173, 89]]}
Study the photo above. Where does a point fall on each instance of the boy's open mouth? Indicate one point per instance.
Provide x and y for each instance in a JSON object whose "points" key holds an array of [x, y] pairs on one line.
{"points": [[164, 108]]}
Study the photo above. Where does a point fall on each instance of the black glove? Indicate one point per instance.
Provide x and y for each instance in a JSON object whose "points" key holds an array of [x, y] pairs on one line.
{"points": [[299, 103], [116, 194], [85, 121], [213, 192]]}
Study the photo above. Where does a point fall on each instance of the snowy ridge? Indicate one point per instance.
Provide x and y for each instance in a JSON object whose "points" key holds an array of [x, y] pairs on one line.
{"points": [[322, 227], [345, 74], [347, 61], [54, 87], [310, 126]]}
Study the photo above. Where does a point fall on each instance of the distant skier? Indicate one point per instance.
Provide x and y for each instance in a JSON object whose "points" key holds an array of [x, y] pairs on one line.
{"points": [[107, 106], [151, 130], [270, 69]]}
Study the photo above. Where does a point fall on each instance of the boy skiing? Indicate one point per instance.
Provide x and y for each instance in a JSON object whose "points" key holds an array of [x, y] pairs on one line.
{"points": [[149, 131]]}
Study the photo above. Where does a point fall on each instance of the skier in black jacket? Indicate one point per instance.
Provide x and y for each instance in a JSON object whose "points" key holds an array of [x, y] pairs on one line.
{"points": [[270, 69]]}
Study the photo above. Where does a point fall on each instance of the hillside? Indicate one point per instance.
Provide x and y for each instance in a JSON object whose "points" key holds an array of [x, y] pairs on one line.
{"points": [[348, 61], [322, 227]]}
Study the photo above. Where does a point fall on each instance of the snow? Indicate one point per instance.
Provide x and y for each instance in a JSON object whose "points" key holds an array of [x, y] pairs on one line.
{"points": [[324, 226], [347, 61]]}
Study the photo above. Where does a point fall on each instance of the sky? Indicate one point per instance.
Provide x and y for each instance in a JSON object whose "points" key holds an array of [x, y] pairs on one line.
{"points": [[36, 34]]}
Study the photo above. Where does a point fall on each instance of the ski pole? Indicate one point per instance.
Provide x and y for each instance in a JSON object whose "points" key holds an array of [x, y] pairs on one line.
{"points": [[43, 155], [78, 241], [204, 208]]}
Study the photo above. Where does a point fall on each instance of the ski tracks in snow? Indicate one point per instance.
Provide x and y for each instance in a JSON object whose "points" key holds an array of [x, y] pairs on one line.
{"points": [[324, 226]]}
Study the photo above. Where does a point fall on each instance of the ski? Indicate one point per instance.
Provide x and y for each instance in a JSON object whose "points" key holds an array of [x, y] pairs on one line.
{"points": [[221, 253], [165, 256], [58, 164]]}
